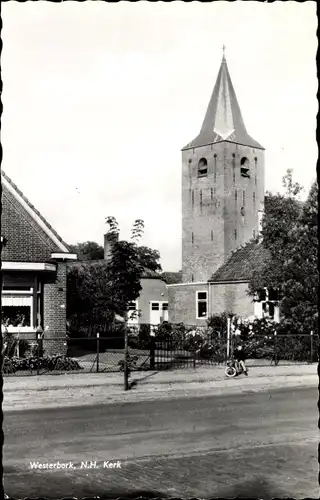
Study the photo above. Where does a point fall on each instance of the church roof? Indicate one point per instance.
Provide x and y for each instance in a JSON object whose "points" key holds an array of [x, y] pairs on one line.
{"points": [[223, 120], [240, 266]]}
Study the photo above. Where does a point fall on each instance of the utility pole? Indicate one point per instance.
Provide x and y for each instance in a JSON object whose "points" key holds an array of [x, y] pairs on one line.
{"points": [[228, 336], [126, 352]]}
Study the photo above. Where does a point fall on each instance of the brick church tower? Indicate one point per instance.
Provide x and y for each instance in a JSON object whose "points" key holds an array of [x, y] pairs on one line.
{"points": [[222, 185]]}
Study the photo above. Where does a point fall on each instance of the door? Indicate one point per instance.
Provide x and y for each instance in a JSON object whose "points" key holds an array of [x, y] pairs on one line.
{"points": [[155, 313]]}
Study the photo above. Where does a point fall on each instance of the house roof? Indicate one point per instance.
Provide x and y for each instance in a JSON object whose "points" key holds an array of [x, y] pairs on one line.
{"points": [[33, 212], [240, 266], [223, 120], [81, 263]]}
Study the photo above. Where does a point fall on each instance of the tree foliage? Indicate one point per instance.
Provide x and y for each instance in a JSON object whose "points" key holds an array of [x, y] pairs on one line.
{"points": [[289, 232], [100, 290], [88, 250]]}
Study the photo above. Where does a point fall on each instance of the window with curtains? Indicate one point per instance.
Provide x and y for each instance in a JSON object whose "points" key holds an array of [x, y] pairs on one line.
{"points": [[17, 308]]}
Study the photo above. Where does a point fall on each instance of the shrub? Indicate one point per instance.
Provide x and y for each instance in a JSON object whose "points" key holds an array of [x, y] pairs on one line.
{"points": [[131, 363], [49, 363], [171, 334], [144, 336]]}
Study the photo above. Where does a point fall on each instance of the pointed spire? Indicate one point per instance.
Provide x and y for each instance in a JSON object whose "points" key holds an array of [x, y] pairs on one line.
{"points": [[223, 120], [223, 52]]}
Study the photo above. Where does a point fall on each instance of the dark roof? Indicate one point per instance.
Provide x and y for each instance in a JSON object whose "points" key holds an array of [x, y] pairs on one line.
{"points": [[171, 278], [223, 120], [83, 263], [32, 207], [240, 266]]}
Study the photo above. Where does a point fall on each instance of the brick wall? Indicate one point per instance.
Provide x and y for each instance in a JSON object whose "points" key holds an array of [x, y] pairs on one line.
{"points": [[54, 311], [229, 298], [27, 242], [210, 210], [153, 290]]}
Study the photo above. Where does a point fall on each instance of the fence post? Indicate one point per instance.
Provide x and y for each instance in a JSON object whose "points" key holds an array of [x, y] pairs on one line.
{"points": [[275, 349], [311, 346], [98, 350], [38, 353], [152, 351]]}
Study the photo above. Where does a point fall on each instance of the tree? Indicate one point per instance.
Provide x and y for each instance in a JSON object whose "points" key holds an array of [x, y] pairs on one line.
{"points": [[300, 271], [97, 291], [129, 262], [88, 250], [289, 231]]}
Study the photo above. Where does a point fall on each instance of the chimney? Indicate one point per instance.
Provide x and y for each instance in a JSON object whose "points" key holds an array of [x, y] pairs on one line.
{"points": [[109, 240]]}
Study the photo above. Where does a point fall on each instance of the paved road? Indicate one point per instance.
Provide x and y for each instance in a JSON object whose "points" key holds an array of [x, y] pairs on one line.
{"points": [[259, 444]]}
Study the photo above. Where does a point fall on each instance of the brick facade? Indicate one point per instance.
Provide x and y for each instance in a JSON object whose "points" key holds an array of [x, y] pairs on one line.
{"points": [[29, 240], [54, 311], [26, 241], [231, 298], [220, 210]]}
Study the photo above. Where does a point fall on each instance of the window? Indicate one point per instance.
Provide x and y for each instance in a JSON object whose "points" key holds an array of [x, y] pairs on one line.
{"points": [[244, 198], [236, 196], [192, 198], [200, 198], [215, 168], [245, 167], [17, 307], [233, 167], [202, 168], [192, 277], [267, 304], [192, 238], [235, 234], [211, 235], [202, 305], [132, 306], [211, 193], [155, 306], [165, 306], [254, 233]]}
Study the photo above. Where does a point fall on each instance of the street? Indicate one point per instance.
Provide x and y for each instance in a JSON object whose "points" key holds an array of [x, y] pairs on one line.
{"points": [[254, 444]]}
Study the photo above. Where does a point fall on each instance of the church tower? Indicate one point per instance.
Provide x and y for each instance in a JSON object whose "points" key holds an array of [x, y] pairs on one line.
{"points": [[222, 185]]}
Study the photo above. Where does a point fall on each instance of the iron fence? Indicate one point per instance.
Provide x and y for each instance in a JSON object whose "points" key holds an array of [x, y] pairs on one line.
{"points": [[151, 348]]}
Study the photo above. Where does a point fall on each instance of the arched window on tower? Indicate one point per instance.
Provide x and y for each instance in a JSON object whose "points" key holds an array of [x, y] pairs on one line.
{"points": [[233, 167], [202, 168], [245, 167], [255, 173]]}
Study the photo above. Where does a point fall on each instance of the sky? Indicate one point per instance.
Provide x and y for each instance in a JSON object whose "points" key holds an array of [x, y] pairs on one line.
{"points": [[100, 98]]}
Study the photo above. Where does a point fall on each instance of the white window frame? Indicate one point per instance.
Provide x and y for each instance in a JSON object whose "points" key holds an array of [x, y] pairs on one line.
{"points": [[26, 294], [135, 319], [260, 313], [201, 300]]}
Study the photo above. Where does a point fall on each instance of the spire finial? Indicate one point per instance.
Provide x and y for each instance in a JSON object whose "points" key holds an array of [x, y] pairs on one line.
{"points": [[223, 52]]}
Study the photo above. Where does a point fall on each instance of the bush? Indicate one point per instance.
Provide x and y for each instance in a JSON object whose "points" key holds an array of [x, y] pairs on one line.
{"points": [[131, 363], [49, 363], [171, 334], [144, 336]]}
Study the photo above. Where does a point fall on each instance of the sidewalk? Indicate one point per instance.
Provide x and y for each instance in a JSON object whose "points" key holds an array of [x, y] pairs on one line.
{"points": [[87, 389]]}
